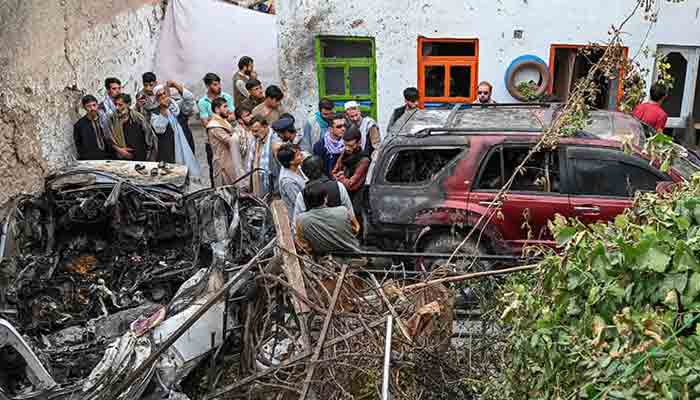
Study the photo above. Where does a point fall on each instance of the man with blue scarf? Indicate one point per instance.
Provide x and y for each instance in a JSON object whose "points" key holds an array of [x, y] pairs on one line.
{"points": [[331, 145], [316, 127]]}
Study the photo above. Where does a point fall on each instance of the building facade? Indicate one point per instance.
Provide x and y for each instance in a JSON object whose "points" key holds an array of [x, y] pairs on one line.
{"points": [[370, 50]]}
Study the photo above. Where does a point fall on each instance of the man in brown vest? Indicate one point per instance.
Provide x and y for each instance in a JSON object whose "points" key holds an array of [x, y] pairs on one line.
{"points": [[246, 72]]}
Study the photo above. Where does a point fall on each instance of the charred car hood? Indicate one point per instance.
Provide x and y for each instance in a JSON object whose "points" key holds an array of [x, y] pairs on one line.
{"points": [[100, 249]]}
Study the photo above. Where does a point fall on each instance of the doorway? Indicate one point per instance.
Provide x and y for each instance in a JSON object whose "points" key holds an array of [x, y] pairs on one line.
{"points": [[683, 101]]}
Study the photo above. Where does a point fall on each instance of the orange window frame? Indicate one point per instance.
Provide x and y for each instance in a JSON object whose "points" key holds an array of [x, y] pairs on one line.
{"points": [[554, 47], [466, 61]]}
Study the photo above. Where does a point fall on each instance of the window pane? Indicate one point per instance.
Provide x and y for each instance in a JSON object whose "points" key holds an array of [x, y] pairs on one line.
{"points": [[491, 177], [334, 48], [449, 49], [335, 80], [359, 80], [611, 178], [435, 81], [539, 174], [417, 166], [460, 81]]}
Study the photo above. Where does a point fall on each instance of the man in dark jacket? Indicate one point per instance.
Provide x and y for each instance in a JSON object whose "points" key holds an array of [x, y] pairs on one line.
{"points": [[410, 96], [331, 145], [92, 135], [351, 168]]}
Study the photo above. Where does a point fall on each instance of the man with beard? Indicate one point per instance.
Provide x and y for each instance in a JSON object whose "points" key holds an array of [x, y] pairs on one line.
{"points": [[316, 126], [484, 91], [246, 71], [133, 137], [264, 180], [172, 142], [368, 128], [146, 102], [241, 128], [227, 146], [113, 86], [92, 136], [351, 168], [213, 83], [331, 146]]}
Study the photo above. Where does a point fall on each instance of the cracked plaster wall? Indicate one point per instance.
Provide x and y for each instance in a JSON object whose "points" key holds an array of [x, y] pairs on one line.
{"points": [[395, 26], [53, 52]]}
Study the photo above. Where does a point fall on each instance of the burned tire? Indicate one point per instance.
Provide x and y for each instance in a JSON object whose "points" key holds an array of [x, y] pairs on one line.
{"points": [[469, 294], [447, 243]]}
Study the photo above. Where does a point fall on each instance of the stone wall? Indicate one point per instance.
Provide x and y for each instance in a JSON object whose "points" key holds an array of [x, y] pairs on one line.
{"points": [[53, 52]]}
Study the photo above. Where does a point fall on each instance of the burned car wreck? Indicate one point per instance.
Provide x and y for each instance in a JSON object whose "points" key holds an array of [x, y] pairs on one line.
{"points": [[99, 269]]}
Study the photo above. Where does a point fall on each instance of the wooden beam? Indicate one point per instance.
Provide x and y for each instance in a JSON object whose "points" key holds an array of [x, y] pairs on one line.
{"points": [[291, 267]]}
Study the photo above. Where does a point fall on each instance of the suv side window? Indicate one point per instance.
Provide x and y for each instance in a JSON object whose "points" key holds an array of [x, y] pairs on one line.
{"points": [[415, 166], [539, 174], [608, 172]]}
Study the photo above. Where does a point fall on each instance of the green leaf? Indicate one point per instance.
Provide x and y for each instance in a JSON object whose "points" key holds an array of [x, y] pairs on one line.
{"points": [[693, 288], [684, 260], [654, 259], [565, 234]]}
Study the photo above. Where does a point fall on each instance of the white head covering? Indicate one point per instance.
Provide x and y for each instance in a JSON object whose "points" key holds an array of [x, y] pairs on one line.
{"points": [[351, 104]]}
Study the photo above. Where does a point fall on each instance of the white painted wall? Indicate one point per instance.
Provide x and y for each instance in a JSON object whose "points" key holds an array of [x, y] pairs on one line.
{"points": [[396, 25]]}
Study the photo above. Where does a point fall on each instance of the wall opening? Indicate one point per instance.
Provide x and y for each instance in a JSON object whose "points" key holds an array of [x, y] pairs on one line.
{"points": [[570, 63], [679, 66]]}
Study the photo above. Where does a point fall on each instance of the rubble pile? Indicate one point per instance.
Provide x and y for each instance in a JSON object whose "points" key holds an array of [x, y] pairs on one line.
{"points": [[94, 253], [326, 338]]}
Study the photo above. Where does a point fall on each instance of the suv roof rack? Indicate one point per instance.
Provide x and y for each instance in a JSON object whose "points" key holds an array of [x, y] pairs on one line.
{"points": [[491, 105], [425, 132]]}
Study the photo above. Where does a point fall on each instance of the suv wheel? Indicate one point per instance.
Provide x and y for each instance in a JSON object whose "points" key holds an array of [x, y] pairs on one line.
{"points": [[447, 243], [468, 293]]}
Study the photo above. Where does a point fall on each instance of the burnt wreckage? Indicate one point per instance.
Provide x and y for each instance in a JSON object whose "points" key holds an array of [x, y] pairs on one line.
{"points": [[98, 271]]}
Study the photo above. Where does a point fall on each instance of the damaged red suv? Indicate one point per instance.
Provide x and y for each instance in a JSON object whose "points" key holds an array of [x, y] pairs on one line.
{"points": [[437, 174]]}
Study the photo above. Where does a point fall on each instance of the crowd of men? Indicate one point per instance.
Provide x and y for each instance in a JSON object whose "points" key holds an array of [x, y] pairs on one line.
{"points": [[252, 143]]}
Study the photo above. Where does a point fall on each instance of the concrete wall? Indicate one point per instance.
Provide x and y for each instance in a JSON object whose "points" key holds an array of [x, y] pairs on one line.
{"points": [[52, 53], [396, 25]]}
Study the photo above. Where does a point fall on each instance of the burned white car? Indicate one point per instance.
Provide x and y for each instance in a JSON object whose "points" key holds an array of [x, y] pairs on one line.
{"points": [[100, 269]]}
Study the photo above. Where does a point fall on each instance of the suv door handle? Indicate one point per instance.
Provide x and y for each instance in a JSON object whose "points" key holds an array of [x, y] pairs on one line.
{"points": [[591, 210], [496, 204]]}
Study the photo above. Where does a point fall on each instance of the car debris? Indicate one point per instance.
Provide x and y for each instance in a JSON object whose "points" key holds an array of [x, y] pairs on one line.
{"points": [[103, 265]]}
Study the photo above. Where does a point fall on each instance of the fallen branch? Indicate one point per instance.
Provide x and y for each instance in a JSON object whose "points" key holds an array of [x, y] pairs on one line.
{"points": [[324, 332], [452, 279], [291, 362]]}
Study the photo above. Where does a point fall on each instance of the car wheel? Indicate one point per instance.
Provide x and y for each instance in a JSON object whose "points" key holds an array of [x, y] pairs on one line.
{"points": [[468, 293], [447, 243]]}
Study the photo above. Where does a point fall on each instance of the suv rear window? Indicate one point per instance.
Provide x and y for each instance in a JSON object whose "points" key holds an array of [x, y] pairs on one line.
{"points": [[607, 172], [416, 166], [539, 174]]}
